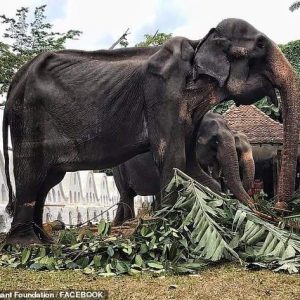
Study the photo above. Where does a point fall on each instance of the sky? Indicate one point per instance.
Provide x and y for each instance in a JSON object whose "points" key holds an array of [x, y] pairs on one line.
{"points": [[103, 21]]}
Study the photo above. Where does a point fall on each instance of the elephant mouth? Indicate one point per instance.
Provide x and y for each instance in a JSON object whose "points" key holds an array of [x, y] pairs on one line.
{"points": [[252, 90]]}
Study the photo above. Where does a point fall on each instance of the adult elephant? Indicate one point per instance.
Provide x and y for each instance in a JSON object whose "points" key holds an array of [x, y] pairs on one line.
{"points": [[217, 148], [72, 110]]}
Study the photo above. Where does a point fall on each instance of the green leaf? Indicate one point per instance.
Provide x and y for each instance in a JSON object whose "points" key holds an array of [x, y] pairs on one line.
{"points": [[37, 266], [122, 267], [155, 265], [101, 227], [97, 261], [88, 270], [42, 252], [133, 272], [82, 262], [76, 246], [138, 260], [127, 249], [143, 248], [144, 231], [25, 255], [110, 251], [108, 269]]}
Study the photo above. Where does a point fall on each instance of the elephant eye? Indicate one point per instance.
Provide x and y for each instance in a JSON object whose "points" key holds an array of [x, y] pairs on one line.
{"points": [[260, 43]]}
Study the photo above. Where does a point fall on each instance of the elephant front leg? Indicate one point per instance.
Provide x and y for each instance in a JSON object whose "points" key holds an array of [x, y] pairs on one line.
{"points": [[167, 131], [169, 155]]}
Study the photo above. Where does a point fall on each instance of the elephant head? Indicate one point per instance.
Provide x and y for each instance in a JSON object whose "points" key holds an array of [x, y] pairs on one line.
{"points": [[216, 147], [247, 66]]}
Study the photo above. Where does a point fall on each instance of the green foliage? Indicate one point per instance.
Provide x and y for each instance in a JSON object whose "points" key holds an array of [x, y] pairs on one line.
{"points": [[269, 109], [221, 108], [108, 172], [124, 43], [202, 228], [10, 62], [28, 39], [292, 52], [155, 40]]}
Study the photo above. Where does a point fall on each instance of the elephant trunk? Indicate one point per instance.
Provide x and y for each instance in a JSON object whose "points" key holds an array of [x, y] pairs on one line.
{"points": [[286, 80], [228, 159], [248, 169], [238, 52]]}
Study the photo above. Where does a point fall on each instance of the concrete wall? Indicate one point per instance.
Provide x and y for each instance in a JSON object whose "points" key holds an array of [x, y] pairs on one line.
{"points": [[80, 196]]}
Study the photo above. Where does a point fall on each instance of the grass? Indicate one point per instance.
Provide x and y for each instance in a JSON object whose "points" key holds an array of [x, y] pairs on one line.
{"points": [[229, 281]]}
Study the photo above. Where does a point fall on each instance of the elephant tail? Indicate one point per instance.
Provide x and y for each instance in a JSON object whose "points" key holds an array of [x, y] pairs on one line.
{"points": [[15, 96], [11, 203]]}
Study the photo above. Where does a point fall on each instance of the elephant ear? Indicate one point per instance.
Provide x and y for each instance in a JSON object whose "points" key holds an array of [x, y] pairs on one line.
{"points": [[211, 59], [175, 55]]}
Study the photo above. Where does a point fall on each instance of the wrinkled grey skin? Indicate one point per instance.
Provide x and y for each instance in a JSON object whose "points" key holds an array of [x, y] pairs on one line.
{"points": [[75, 110], [216, 147]]}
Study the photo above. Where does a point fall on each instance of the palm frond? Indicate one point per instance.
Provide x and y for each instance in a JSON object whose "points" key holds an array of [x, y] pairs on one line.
{"points": [[221, 227]]}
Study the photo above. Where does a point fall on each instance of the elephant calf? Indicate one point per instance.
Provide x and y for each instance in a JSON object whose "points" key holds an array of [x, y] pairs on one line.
{"points": [[217, 148]]}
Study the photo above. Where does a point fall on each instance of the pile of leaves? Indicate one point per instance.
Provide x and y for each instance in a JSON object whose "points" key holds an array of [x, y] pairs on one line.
{"points": [[202, 228]]}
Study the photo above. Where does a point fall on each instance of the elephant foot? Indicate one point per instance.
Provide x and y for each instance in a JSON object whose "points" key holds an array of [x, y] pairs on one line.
{"points": [[118, 221], [124, 213], [281, 206], [43, 235], [119, 218], [22, 234]]}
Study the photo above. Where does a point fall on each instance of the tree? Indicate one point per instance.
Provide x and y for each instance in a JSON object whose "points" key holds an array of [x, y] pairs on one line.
{"points": [[292, 52], [154, 40], [122, 40], [295, 6], [26, 40]]}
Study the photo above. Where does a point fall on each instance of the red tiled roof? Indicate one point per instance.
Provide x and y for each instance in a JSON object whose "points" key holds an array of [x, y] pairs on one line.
{"points": [[258, 127]]}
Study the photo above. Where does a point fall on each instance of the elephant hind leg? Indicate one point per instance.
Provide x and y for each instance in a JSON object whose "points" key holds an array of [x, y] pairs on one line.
{"points": [[156, 203], [52, 179], [28, 182], [22, 235], [125, 209]]}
